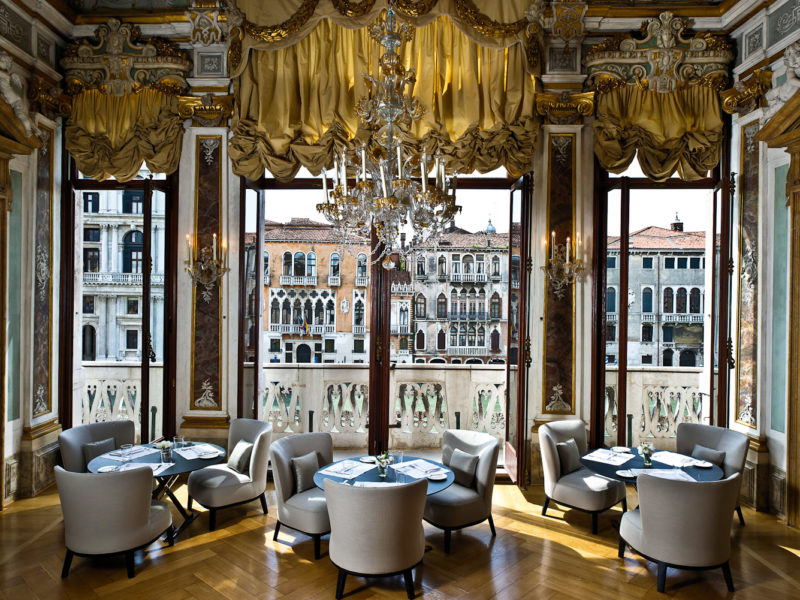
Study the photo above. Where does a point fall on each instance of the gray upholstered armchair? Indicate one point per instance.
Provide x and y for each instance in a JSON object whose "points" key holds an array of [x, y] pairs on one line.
{"points": [[569, 483], [110, 513], [473, 458], [732, 444], [79, 445], [301, 505], [376, 531], [682, 524], [220, 486]]}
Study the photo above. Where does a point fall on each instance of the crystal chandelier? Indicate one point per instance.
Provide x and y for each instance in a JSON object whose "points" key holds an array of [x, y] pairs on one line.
{"points": [[564, 265], [391, 189]]}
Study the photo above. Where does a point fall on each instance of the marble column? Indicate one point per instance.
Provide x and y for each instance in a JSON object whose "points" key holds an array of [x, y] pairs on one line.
{"points": [[114, 267]]}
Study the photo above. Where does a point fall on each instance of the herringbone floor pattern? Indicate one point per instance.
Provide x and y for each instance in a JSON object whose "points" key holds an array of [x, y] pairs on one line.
{"points": [[531, 557]]}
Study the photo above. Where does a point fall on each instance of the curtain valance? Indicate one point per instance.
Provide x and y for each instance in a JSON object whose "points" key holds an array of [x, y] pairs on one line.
{"points": [[296, 102], [660, 97], [125, 103]]}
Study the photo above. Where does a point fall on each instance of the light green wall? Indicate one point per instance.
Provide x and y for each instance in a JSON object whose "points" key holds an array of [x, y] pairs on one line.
{"points": [[780, 241], [14, 285]]}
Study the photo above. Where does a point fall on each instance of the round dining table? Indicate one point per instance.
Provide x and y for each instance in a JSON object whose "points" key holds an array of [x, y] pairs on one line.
{"points": [[392, 476], [166, 478], [712, 473]]}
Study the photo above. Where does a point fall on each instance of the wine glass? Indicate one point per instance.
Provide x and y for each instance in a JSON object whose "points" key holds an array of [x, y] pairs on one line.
{"points": [[125, 450]]}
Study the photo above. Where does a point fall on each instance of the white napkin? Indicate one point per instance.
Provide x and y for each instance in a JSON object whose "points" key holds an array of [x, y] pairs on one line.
{"points": [[608, 457], [155, 467], [348, 469], [673, 459], [376, 484], [196, 451], [136, 452], [674, 474], [419, 469]]}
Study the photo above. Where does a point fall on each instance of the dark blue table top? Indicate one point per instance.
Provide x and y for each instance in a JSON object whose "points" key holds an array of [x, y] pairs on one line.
{"points": [[182, 465], [391, 475], [714, 473]]}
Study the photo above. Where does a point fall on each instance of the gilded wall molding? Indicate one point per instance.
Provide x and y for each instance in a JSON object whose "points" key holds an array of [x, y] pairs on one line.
{"points": [[664, 61], [48, 100], [568, 20], [565, 108], [207, 110], [746, 96], [118, 61]]}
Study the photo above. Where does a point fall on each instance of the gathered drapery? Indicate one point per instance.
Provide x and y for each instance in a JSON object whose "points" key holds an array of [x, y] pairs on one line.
{"points": [[296, 101]]}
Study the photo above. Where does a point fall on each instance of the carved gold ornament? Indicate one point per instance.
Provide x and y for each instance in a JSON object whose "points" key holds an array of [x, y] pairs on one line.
{"points": [[565, 108], [663, 61], [48, 100], [275, 33], [205, 111], [353, 9], [746, 96], [118, 61], [568, 20]]}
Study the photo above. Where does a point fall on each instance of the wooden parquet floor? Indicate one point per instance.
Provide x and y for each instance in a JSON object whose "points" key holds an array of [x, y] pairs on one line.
{"points": [[531, 557]]}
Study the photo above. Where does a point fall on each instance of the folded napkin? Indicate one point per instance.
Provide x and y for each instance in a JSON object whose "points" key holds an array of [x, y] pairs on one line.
{"points": [[673, 459], [420, 469], [196, 451], [608, 457], [674, 474], [348, 469], [134, 453], [155, 467]]}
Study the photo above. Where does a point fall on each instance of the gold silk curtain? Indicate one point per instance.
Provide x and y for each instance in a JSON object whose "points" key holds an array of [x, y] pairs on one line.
{"points": [[677, 131], [296, 101], [111, 136]]}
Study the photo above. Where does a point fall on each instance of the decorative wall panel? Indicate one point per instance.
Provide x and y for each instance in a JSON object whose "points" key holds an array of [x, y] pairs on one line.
{"points": [[747, 347], [559, 313], [43, 279], [206, 333]]}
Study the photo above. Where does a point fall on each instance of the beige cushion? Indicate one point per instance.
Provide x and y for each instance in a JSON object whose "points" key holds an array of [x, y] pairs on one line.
{"points": [[239, 460], [304, 468], [463, 465], [94, 449], [713, 456], [569, 456]]}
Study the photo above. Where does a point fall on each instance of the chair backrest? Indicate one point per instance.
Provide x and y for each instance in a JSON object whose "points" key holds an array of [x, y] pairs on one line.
{"points": [[687, 523], [282, 452], [485, 446], [71, 441], [551, 434], [104, 511], [258, 433], [376, 530], [733, 443]]}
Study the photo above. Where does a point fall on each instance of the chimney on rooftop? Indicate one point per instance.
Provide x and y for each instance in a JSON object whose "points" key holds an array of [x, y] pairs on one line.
{"points": [[677, 225]]}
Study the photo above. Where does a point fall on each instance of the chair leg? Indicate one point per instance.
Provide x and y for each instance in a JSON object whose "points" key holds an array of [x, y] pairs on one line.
{"points": [[340, 583], [277, 529], [624, 505], [409, 578], [447, 541], [129, 564], [263, 498], [726, 573], [317, 553], [546, 503], [621, 552], [212, 519], [594, 523], [189, 504], [741, 516], [67, 563], [491, 525], [662, 576], [171, 535]]}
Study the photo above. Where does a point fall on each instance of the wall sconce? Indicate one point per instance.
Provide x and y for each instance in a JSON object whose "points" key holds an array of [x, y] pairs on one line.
{"points": [[208, 268], [563, 265]]}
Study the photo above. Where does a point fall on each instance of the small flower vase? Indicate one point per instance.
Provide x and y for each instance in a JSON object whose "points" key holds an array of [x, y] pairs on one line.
{"points": [[166, 455], [647, 460], [381, 470]]}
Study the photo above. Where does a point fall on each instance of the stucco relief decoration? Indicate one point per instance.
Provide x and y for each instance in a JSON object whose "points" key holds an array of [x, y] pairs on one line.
{"points": [[9, 83], [568, 21], [206, 398], [777, 97], [556, 402], [562, 149], [749, 273], [664, 61], [206, 28], [9, 28], [788, 21], [40, 404], [118, 61], [42, 266], [210, 145]]}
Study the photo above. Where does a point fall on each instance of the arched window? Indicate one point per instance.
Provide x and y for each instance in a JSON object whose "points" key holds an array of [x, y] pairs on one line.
{"points": [[420, 345], [318, 313], [421, 265], [297, 312], [442, 265], [361, 265], [453, 304], [462, 336], [334, 264], [687, 358], [680, 301], [404, 315], [495, 340], [668, 299], [441, 340], [471, 335], [132, 245], [275, 311], [480, 265], [89, 351], [496, 306], [481, 337], [266, 264], [419, 307], [469, 264], [286, 317], [515, 271], [647, 300], [311, 264], [453, 335], [287, 263], [495, 266], [694, 301], [667, 362], [330, 313], [647, 332], [441, 307], [358, 313], [299, 264], [455, 264], [303, 353], [611, 300]]}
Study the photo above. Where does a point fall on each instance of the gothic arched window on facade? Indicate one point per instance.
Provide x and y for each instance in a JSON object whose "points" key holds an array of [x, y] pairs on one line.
{"points": [[453, 335], [611, 300], [318, 313], [311, 264], [441, 307], [286, 317], [334, 264], [358, 313], [668, 300], [132, 248], [275, 311], [667, 361], [421, 265], [462, 336], [299, 264], [287, 263], [453, 304], [441, 340], [420, 345], [680, 301], [266, 264], [361, 265], [330, 313], [419, 307], [471, 335], [695, 306], [442, 266], [496, 306], [495, 340], [495, 266], [469, 264], [481, 337]]}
